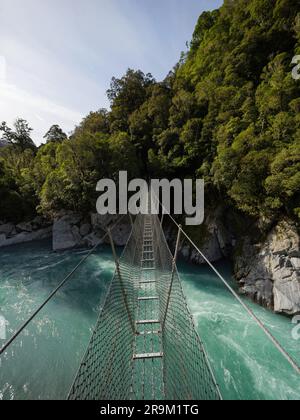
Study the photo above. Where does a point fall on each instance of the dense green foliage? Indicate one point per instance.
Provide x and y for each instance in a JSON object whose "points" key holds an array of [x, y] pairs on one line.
{"points": [[228, 112]]}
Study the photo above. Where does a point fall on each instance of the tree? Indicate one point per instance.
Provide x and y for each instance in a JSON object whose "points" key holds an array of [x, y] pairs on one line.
{"points": [[94, 122], [228, 111], [55, 134], [205, 22], [283, 184], [17, 192], [20, 136], [126, 95], [7, 134]]}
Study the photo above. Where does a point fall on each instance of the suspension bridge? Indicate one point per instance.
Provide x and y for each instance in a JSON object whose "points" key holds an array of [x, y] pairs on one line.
{"points": [[145, 345]]}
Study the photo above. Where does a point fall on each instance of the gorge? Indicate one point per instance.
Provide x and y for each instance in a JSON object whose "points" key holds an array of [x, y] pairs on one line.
{"points": [[246, 364], [266, 266]]}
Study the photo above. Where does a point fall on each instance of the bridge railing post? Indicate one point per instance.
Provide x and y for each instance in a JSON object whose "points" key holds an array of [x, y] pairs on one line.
{"points": [[172, 276], [118, 270]]}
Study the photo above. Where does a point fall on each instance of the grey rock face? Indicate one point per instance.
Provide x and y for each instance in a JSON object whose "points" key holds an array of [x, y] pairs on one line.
{"points": [[215, 244], [93, 239], [24, 227], [269, 272], [24, 232], [26, 237], [65, 235], [7, 229], [2, 239], [68, 233], [85, 229], [212, 249], [120, 233], [71, 219], [38, 222]]}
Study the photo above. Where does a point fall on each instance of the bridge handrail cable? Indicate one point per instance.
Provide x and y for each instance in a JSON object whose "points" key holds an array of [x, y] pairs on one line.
{"points": [[56, 290], [261, 325]]}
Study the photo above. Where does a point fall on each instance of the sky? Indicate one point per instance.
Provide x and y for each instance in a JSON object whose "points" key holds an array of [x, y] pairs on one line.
{"points": [[57, 57]]}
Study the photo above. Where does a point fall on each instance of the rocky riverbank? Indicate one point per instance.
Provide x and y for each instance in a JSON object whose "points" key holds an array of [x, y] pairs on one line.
{"points": [[68, 231], [72, 231], [267, 270], [37, 229]]}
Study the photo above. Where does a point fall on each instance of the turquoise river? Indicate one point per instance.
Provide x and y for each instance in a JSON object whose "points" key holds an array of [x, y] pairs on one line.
{"points": [[44, 359]]}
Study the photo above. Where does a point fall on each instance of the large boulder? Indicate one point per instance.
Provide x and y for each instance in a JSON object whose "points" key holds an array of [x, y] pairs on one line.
{"points": [[102, 222], [70, 231], [212, 249], [72, 218], [120, 231], [212, 238], [93, 239], [269, 271], [2, 239], [66, 234], [85, 229], [24, 227], [7, 229]]}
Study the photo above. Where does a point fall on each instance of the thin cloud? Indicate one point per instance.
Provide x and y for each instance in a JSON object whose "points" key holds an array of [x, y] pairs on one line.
{"points": [[61, 54], [24, 104]]}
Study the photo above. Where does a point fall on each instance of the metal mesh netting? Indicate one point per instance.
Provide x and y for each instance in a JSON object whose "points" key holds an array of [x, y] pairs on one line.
{"points": [[187, 372], [106, 370], [164, 357]]}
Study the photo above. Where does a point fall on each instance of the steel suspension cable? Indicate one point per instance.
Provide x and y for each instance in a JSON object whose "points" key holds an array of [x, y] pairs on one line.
{"points": [[275, 342]]}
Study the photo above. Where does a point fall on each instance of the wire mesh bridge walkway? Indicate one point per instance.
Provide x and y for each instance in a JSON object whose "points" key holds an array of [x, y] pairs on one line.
{"points": [[145, 345]]}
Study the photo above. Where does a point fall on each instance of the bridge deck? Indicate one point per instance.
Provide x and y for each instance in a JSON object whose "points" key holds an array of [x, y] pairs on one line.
{"points": [[145, 345], [148, 350]]}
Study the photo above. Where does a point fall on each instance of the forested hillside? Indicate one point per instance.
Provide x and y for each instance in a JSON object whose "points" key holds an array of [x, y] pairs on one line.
{"points": [[228, 112]]}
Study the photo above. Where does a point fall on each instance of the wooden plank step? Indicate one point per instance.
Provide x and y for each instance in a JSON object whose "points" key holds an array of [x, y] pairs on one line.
{"points": [[148, 298], [148, 321], [148, 356], [148, 282], [157, 332]]}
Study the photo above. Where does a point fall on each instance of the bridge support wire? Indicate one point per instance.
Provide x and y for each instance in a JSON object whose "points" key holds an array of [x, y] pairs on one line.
{"points": [[55, 291], [261, 325], [121, 280], [172, 276]]}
